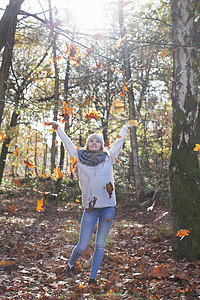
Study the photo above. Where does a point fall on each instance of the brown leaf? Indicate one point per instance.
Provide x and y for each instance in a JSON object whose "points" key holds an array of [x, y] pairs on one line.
{"points": [[160, 271], [91, 205], [109, 188]]}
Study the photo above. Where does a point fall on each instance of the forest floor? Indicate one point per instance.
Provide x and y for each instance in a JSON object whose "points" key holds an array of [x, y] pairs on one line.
{"points": [[35, 247]]}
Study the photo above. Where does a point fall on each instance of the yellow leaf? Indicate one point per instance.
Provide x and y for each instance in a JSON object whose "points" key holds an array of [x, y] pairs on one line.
{"points": [[164, 53], [197, 148], [78, 201], [57, 173]]}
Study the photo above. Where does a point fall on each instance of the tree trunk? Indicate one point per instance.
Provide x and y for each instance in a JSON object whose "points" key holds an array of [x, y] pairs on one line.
{"points": [[184, 168], [56, 91], [132, 114], [6, 143], [6, 63], [8, 19]]}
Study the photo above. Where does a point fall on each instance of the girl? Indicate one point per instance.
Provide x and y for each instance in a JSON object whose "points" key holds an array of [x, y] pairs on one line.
{"points": [[95, 172]]}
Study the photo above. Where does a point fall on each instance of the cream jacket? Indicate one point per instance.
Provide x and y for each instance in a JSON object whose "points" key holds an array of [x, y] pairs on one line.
{"points": [[93, 179]]}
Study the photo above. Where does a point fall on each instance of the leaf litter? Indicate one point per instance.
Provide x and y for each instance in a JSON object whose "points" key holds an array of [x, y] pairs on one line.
{"points": [[137, 264]]}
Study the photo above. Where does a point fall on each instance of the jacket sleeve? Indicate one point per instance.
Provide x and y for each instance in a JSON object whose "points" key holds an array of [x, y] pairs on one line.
{"points": [[114, 151], [69, 146]]}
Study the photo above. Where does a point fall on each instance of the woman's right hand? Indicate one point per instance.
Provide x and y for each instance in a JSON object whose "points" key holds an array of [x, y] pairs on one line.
{"points": [[53, 124]]}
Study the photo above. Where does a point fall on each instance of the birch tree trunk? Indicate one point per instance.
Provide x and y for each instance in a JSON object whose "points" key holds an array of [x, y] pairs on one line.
{"points": [[132, 110], [184, 167]]}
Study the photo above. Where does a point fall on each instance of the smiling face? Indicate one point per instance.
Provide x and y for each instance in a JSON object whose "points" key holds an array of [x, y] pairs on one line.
{"points": [[94, 145]]}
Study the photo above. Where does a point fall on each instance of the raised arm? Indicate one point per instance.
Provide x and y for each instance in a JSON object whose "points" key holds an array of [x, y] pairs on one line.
{"points": [[114, 151], [69, 146]]}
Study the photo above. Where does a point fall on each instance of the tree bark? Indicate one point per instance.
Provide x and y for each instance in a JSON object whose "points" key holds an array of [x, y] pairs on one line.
{"points": [[6, 60], [184, 167], [132, 111], [8, 19], [56, 91]]}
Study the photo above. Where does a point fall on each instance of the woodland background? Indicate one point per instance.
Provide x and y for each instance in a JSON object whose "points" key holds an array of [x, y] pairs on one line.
{"points": [[97, 80]]}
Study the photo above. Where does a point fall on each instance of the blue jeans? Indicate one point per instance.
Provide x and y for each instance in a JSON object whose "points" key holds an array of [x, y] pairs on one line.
{"points": [[104, 216]]}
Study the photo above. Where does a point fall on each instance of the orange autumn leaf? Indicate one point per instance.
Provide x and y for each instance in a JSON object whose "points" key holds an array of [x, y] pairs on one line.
{"points": [[73, 295], [2, 135], [160, 271], [120, 41], [107, 143], [11, 209], [197, 148], [39, 205], [107, 220], [118, 136], [57, 174], [44, 176], [56, 142], [66, 111], [164, 53], [74, 55], [117, 160], [52, 130], [124, 88], [16, 152], [16, 181], [93, 115], [28, 164], [118, 105], [182, 233], [73, 161]]}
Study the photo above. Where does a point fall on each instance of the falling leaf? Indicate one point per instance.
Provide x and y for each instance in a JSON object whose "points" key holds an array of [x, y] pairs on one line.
{"points": [[66, 111], [118, 105], [182, 233], [44, 176], [16, 152], [160, 271], [118, 136], [52, 130], [91, 205], [109, 188], [107, 220], [57, 174], [164, 53], [124, 88], [78, 201], [197, 148], [107, 143], [97, 36], [39, 205], [120, 41], [2, 135], [74, 55], [56, 142], [93, 115], [117, 160], [73, 161], [133, 122], [28, 164]]}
